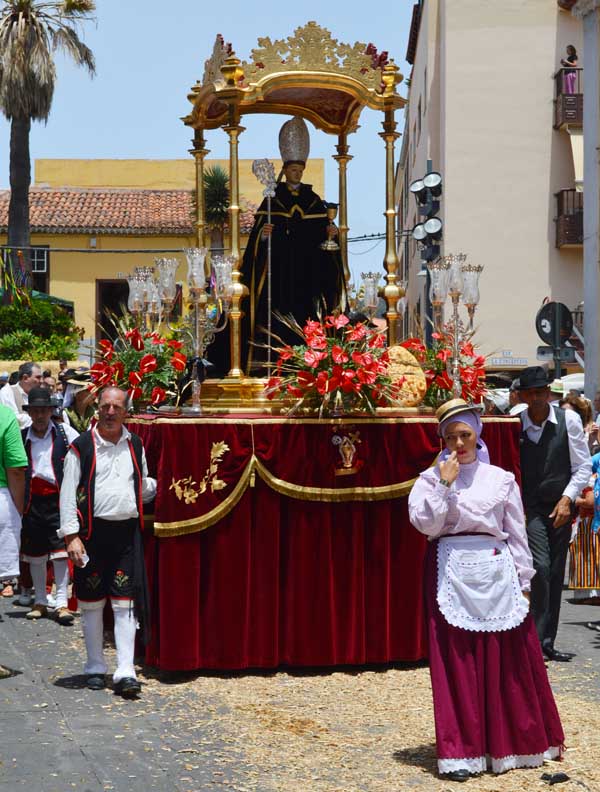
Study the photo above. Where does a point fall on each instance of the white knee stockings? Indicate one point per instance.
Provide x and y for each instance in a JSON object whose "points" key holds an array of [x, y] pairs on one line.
{"points": [[61, 578], [125, 628]]}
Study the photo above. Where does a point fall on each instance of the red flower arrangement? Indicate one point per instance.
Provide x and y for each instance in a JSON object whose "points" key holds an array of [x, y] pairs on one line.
{"points": [[434, 361], [339, 368], [145, 364]]}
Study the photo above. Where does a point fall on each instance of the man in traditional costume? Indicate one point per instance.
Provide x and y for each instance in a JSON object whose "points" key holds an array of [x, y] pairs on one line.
{"points": [[105, 484], [492, 701], [555, 467], [46, 444], [305, 279]]}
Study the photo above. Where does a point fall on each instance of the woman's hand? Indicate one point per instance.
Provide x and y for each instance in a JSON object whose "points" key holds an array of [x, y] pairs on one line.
{"points": [[449, 468], [527, 595], [267, 230]]}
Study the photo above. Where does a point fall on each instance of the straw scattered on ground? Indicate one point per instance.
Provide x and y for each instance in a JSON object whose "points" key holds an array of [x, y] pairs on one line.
{"points": [[350, 731]]}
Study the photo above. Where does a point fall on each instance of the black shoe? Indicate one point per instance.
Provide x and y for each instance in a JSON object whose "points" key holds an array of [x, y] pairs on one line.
{"points": [[459, 775], [550, 653], [95, 682], [128, 687]]}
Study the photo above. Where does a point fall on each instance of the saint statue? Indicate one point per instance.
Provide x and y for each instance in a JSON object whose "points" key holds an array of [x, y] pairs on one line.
{"points": [[306, 281]]}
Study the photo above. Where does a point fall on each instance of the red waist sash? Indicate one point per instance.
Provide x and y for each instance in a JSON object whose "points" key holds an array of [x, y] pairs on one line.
{"points": [[40, 486]]}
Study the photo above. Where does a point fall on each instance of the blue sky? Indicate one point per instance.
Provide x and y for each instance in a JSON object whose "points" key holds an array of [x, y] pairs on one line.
{"points": [[150, 53]]}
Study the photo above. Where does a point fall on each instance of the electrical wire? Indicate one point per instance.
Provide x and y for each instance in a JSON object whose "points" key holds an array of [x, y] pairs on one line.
{"points": [[370, 250]]}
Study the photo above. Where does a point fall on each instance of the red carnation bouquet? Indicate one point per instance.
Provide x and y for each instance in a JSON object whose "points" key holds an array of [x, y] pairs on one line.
{"points": [[339, 368], [143, 363], [435, 363]]}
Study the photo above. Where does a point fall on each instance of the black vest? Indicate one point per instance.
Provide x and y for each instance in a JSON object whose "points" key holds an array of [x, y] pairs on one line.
{"points": [[545, 467], [85, 448], [60, 446]]}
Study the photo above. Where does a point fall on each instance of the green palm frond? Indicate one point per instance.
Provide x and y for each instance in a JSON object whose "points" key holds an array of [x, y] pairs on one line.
{"points": [[30, 33], [216, 196]]}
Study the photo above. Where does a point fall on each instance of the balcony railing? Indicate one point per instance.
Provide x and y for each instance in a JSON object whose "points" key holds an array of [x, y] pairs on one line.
{"points": [[568, 97], [569, 218]]}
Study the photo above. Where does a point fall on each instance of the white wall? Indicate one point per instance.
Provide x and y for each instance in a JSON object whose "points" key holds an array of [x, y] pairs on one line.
{"points": [[489, 131]]}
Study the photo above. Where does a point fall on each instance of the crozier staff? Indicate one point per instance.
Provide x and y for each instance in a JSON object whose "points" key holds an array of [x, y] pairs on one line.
{"points": [[492, 700], [305, 279]]}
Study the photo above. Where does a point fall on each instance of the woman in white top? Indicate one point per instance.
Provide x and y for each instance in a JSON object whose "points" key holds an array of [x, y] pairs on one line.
{"points": [[492, 701]]}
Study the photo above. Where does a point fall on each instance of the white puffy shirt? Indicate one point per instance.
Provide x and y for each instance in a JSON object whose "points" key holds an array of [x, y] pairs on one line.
{"points": [[114, 495], [484, 499]]}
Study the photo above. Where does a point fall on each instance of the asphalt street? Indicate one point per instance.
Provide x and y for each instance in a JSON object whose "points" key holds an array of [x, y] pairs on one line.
{"points": [[56, 735]]}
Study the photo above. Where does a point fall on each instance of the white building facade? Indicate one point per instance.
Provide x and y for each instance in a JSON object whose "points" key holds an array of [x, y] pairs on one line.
{"points": [[483, 112]]}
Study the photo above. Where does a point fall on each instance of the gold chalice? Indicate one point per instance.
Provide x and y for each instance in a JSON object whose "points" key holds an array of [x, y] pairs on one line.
{"points": [[332, 210]]}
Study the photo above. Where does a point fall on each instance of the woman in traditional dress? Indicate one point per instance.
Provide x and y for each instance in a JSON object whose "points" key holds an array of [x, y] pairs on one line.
{"points": [[584, 550], [492, 700]]}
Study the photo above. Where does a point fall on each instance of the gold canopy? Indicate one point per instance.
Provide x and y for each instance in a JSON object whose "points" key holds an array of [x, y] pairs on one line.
{"points": [[309, 74]]}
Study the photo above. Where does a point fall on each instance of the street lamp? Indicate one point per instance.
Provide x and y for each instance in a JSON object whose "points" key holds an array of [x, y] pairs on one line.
{"points": [[452, 277]]}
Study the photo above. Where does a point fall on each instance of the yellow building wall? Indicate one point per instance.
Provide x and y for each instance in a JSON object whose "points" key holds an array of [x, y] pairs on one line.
{"points": [[141, 174], [73, 275]]}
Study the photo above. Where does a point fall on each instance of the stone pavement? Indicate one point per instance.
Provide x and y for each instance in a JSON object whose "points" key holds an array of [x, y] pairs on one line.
{"points": [[56, 735], [582, 674]]}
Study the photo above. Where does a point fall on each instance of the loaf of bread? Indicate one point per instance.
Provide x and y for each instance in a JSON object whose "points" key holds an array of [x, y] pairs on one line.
{"points": [[403, 367]]}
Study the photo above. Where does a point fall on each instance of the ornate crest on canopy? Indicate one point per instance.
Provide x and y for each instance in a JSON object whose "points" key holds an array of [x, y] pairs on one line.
{"points": [[309, 74]]}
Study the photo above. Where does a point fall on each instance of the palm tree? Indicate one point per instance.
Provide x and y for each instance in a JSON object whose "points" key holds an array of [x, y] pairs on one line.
{"points": [[216, 202], [30, 32]]}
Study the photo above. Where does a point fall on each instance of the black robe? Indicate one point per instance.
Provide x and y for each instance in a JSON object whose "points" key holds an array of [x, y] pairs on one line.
{"points": [[305, 280]]}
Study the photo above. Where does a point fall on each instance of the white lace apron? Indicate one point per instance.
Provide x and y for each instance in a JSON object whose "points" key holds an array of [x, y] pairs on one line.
{"points": [[478, 587]]}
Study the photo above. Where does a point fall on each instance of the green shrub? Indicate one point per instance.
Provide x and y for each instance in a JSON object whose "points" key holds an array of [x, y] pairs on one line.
{"points": [[43, 331], [42, 318], [18, 345]]}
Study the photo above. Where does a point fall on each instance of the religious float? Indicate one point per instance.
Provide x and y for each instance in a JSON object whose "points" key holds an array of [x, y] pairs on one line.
{"points": [[282, 537]]}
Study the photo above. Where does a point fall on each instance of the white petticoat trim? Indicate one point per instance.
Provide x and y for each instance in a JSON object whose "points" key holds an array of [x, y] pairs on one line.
{"points": [[476, 765], [481, 763]]}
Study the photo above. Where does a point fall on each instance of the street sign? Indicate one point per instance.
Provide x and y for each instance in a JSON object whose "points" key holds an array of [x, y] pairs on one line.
{"points": [[554, 323], [546, 353]]}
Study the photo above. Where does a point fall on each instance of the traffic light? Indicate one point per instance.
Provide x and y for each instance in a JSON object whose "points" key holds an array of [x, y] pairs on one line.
{"points": [[428, 232]]}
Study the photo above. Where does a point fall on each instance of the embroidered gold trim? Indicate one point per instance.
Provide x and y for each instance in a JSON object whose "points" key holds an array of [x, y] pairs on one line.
{"points": [[295, 210], [296, 491], [239, 419], [195, 524], [333, 494]]}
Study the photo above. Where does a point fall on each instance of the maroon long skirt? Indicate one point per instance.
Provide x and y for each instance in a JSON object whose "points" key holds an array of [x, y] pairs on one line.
{"points": [[492, 701]]}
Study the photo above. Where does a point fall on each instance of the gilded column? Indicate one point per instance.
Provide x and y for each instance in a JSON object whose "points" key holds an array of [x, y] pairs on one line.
{"points": [[343, 158], [234, 130], [391, 291], [233, 74], [199, 153]]}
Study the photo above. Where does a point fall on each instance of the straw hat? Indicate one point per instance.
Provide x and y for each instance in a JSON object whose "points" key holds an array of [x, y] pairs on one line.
{"points": [[455, 407]]}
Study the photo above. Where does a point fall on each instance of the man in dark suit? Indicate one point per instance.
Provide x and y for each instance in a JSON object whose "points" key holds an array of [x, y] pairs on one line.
{"points": [[555, 467]]}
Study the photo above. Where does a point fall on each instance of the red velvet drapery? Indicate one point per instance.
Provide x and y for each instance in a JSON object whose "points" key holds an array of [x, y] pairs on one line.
{"points": [[303, 566]]}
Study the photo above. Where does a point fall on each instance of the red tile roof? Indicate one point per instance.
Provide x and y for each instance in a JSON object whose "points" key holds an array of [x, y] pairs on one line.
{"points": [[127, 212]]}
